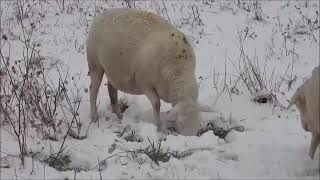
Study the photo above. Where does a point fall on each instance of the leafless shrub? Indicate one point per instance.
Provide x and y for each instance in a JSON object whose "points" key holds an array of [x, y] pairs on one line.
{"points": [[229, 5], [30, 100], [250, 71], [26, 81], [61, 5], [193, 18], [257, 10], [253, 6], [225, 84], [129, 3], [305, 26], [262, 85], [33, 11], [297, 29], [15, 81], [71, 6], [154, 151]]}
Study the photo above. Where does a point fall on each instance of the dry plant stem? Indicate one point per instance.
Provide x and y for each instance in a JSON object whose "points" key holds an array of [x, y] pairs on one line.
{"points": [[73, 108], [15, 173], [62, 148], [86, 134], [109, 157], [61, 6], [44, 171], [166, 10], [293, 60], [99, 169], [215, 80], [225, 86]]}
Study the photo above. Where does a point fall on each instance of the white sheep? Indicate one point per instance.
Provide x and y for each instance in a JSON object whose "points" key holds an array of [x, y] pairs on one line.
{"points": [[307, 98], [142, 53]]}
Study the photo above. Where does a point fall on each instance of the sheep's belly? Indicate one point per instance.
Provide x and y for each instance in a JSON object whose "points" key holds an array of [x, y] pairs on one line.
{"points": [[130, 89], [163, 94], [126, 84]]}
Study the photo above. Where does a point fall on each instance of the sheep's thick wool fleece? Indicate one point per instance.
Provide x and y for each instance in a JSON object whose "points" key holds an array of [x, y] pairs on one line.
{"points": [[149, 51], [311, 92]]}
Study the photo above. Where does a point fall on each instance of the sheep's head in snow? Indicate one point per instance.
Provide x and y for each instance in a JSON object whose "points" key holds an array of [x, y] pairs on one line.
{"points": [[187, 117], [306, 98]]}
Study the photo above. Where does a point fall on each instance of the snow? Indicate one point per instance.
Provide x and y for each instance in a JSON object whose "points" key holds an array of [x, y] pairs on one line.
{"points": [[273, 144]]}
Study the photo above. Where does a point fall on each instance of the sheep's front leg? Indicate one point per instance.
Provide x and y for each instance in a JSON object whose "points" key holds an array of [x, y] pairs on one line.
{"points": [[96, 75], [315, 139], [155, 102], [113, 94]]}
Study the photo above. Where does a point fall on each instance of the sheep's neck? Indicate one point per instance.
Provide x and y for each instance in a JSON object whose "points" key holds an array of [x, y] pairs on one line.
{"points": [[183, 89]]}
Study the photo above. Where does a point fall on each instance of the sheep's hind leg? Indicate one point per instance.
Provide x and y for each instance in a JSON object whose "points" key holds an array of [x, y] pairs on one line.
{"points": [[155, 101], [315, 138], [96, 75], [113, 94]]}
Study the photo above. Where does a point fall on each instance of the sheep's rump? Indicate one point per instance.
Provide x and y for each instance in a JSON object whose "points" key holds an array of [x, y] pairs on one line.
{"points": [[138, 49]]}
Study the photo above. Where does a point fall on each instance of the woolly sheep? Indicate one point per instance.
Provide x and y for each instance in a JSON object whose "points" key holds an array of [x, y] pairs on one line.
{"points": [[307, 98], [142, 53]]}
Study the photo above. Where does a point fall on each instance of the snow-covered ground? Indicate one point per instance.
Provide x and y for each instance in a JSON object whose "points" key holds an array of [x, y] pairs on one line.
{"points": [[280, 39]]}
